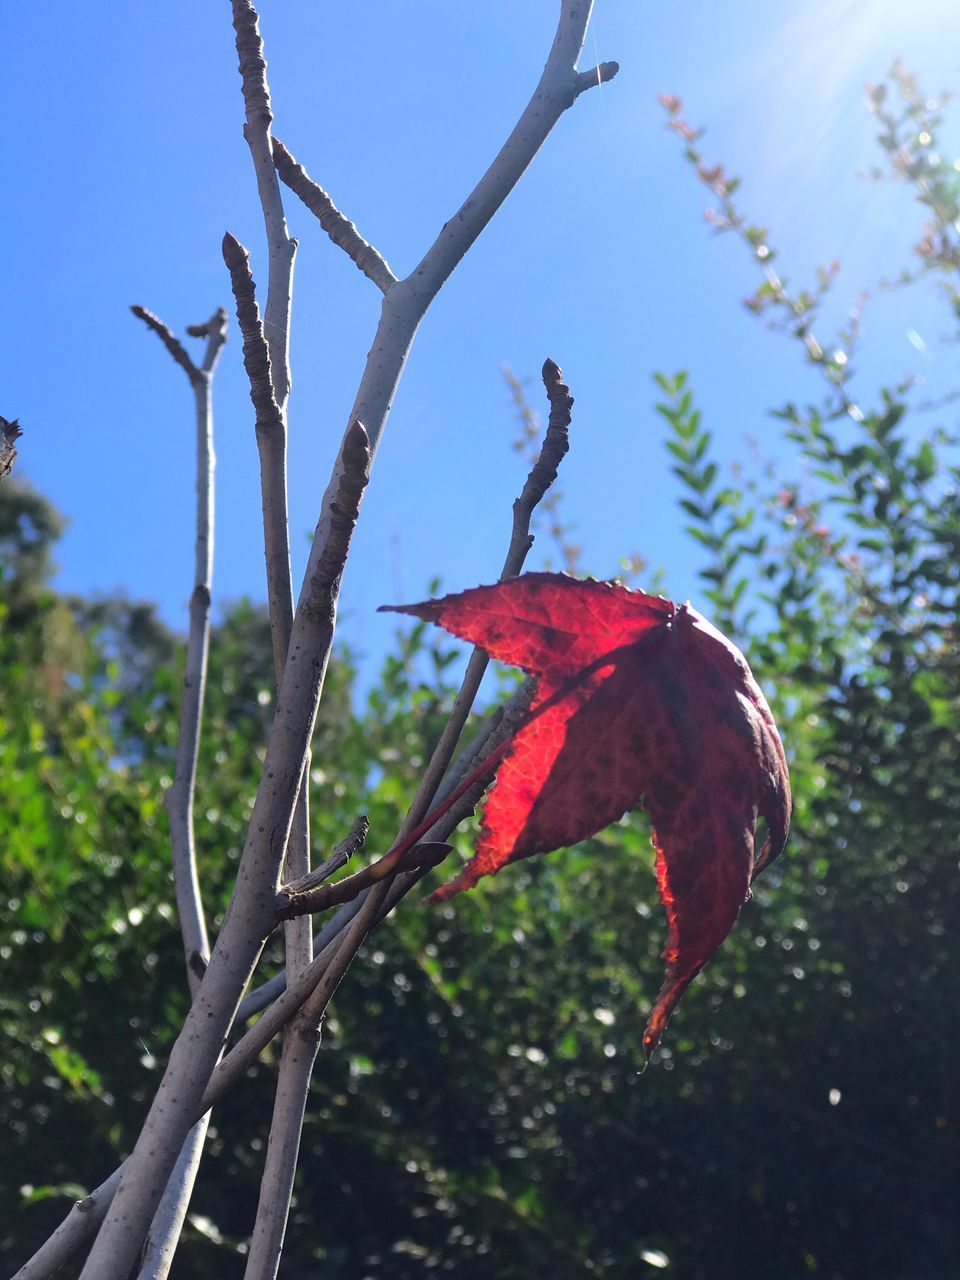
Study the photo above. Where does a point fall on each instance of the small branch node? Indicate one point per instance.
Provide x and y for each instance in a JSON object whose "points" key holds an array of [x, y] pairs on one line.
{"points": [[342, 854], [556, 442], [601, 74], [423, 856]]}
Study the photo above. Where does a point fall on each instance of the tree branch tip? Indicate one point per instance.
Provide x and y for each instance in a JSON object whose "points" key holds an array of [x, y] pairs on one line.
{"points": [[234, 254], [551, 372], [603, 73], [358, 833], [280, 151], [356, 447]]}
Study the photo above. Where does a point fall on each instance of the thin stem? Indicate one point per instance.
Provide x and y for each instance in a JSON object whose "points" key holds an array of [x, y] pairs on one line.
{"points": [[171, 1212], [250, 916], [166, 336], [400, 854], [268, 389], [179, 800], [336, 224], [541, 477], [281, 247]]}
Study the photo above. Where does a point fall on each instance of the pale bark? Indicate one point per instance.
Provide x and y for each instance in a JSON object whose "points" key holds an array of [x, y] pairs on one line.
{"points": [[168, 1219], [250, 915], [172, 1210]]}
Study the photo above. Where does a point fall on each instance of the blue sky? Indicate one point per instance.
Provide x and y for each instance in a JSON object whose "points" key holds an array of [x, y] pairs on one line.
{"points": [[124, 163]]}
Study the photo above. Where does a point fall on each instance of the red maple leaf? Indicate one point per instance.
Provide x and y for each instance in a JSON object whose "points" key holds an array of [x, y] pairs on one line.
{"points": [[638, 701]]}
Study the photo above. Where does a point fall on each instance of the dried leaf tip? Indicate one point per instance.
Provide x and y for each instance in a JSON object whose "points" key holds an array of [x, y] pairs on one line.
{"points": [[10, 433]]}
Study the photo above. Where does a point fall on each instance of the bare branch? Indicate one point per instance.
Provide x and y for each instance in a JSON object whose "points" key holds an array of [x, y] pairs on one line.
{"points": [[596, 75], [172, 1210], [337, 225], [301, 1042], [179, 800], [544, 471], [74, 1231], [342, 854], [542, 475], [292, 902], [283, 1149], [250, 916], [256, 353], [173, 345], [282, 249], [10, 433], [270, 384]]}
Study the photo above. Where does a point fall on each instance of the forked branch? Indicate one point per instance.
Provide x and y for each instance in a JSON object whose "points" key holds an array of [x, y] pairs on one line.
{"points": [[179, 799], [168, 1220]]}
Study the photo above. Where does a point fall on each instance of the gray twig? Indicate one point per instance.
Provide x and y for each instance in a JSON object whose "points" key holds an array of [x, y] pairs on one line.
{"points": [[281, 247], [179, 800], [251, 916], [274, 372], [341, 855], [173, 344], [542, 475], [336, 224]]}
